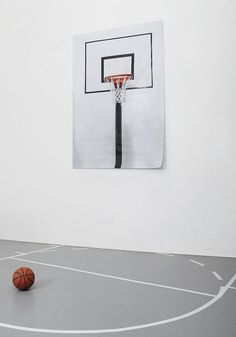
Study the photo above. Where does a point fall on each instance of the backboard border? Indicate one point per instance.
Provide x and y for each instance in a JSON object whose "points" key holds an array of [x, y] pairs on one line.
{"points": [[114, 57], [117, 38]]}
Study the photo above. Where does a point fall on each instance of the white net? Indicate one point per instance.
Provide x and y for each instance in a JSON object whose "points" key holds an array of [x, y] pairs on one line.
{"points": [[118, 88]]}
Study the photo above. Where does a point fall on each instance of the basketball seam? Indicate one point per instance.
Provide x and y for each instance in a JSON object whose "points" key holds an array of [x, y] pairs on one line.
{"points": [[31, 281], [18, 283], [24, 277], [29, 273], [26, 282], [28, 269], [17, 272]]}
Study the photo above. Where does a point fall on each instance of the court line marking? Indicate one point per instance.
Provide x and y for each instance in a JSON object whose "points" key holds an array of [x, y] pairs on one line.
{"points": [[79, 248], [217, 275], [198, 263], [166, 254], [114, 277], [48, 251], [233, 288], [221, 292], [27, 253], [19, 252]]}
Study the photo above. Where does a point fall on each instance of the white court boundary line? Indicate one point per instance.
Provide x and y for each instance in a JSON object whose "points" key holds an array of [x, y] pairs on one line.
{"points": [[114, 277], [198, 263], [129, 328], [27, 253], [234, 288], [217, 275], [166, 254], [48, 251]]}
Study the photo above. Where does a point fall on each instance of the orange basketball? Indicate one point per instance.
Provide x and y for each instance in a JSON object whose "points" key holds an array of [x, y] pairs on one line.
{"points": [[23, 278]]}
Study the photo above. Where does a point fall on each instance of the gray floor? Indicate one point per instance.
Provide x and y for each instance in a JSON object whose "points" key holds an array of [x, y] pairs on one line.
{"points": [[81, 292]]}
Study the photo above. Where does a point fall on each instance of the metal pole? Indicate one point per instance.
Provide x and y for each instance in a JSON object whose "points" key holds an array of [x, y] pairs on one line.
{"points": [[118, 127]]}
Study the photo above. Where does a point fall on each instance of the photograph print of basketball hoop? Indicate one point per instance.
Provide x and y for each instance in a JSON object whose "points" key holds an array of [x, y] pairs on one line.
{"points": [[119, 98]]}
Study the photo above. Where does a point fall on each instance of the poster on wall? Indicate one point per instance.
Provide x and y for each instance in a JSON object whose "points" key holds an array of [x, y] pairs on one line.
{"points": [[119, 98]]}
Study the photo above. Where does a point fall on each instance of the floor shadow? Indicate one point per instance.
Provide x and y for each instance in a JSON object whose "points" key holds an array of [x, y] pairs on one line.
{"points": [[39, 284]]}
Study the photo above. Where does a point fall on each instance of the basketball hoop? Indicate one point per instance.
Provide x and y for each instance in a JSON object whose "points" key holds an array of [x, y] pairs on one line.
{"points": [[118, 86]]}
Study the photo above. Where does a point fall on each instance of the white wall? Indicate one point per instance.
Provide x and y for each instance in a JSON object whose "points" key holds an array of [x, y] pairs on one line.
{"points": [[189, 207]]}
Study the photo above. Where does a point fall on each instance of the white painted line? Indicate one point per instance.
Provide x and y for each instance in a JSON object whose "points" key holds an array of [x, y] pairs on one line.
{"points": [[217, 275], [79, 248], [114, 277], [19, 252], [27, 253], [166, 254], [198, 263], [233, 288], [129, 328], [48, 251]]}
